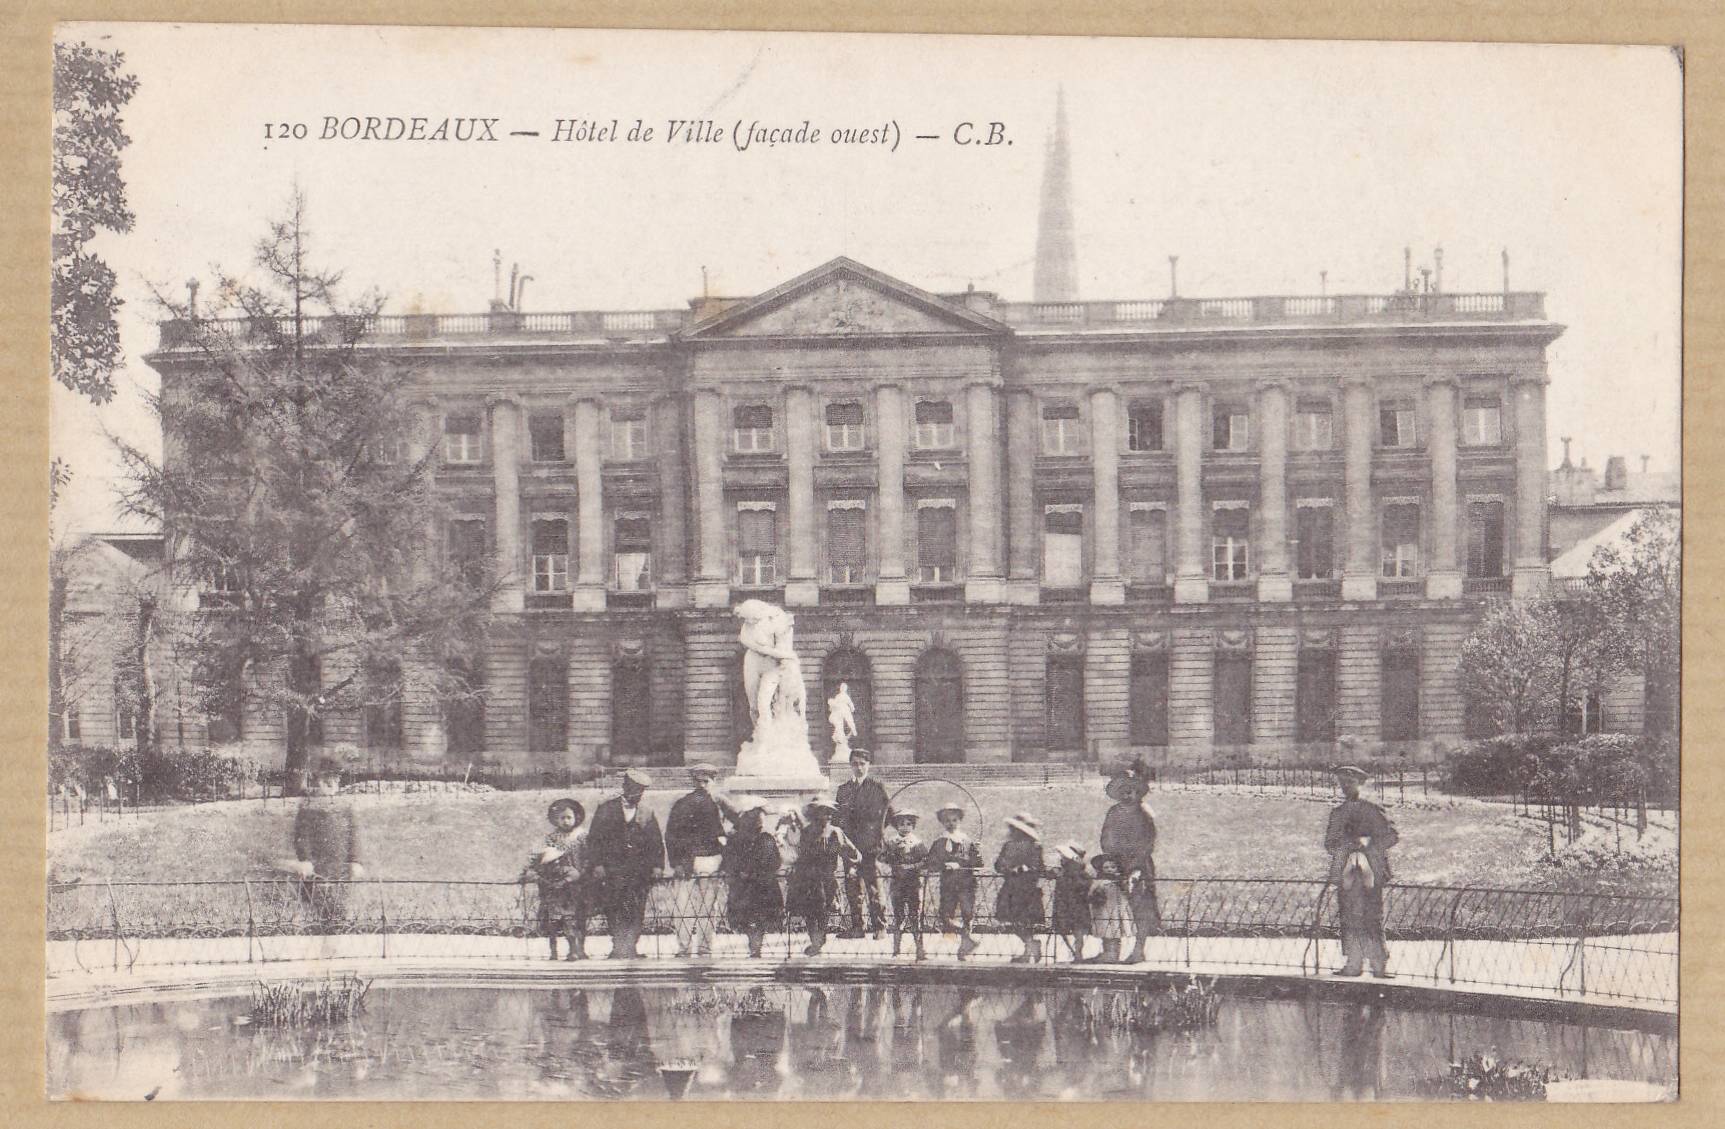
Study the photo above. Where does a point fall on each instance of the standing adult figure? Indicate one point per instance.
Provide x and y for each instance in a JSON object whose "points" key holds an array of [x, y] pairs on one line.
{"points": [[1359, 837], [862, 806], [627, 849], [694, 844], [1129, 834]]}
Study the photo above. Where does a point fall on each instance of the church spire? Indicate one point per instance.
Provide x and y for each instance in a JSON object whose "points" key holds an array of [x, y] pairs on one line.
{"points": [[1056, 278]]}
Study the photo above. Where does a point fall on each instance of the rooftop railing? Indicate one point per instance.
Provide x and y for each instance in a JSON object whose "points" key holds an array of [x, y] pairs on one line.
{"points": [[1153, 313]]}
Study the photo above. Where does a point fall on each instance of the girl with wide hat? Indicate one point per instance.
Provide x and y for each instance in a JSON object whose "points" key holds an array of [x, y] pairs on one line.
{"points": [[1019, 906], [557, 868]]}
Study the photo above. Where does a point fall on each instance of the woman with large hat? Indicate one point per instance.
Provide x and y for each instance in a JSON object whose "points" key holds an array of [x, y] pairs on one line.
{"points": [[1129, 834], [754, 903], [1019, 903], [1359, 837]]}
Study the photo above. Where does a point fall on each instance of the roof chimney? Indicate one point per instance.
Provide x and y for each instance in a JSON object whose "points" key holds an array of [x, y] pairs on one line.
{"points": [[1565, 440], [1437, 283], [1644, 459], [1616, 473]]}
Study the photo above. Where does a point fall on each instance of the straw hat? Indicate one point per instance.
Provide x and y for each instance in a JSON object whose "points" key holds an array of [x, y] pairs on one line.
{"points": [[1070, 851], [820, 803], [952, 805], [1026, 823], [637, 777], [702, 768], [897, 814], [1350, 771]]}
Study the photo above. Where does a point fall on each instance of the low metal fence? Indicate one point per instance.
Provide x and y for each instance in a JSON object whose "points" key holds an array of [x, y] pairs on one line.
{"points": [[1605, 947]]}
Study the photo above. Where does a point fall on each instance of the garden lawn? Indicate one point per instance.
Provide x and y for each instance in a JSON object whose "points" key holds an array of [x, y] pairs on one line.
{"points": [[487, 836]]}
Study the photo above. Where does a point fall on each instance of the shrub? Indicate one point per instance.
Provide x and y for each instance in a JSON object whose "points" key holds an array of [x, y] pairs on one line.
{"points": [[299, 1003], [1495, 766], [1487, 1078]]}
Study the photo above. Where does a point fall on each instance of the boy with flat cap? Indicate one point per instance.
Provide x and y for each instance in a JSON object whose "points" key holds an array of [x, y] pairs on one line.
{"points": [[862, 806], [627, 849], [694, 845]]}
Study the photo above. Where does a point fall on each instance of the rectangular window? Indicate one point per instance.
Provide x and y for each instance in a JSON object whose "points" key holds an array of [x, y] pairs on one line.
{"points": [[1144, 427], [1314, 542], [757, 548], [629, 434], [933, 425], [844, 427], [1230, 428], [383, 706], [550, 555], [1315, 697], [1401, 541], [463, 439], [1481, 422], [632, 552], [937, 544], [1313, 430], [632, 711], [467, 548], [1401, 701], [546, 430], [1147, 562], [548, 705], [1231, 711], [464, 711], [72, 728], [1485, 539], [1063, 547], [1065, 683], [1397, 424], [127, 719], [1230, 538], [1148, 723], [752, 429], [847, 544], [1061, 431]]}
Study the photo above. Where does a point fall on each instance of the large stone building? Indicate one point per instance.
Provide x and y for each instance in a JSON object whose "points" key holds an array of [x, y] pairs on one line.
{"points": [[1192, 529]]}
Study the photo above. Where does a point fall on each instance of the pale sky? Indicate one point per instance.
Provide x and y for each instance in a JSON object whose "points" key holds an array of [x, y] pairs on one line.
{"points": [[1259, 163]]}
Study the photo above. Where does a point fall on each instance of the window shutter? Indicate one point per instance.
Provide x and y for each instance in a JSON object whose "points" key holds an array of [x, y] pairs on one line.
{"points": [[1148, 540], [634, 535], [845, 546], [933, 411], [755, 532], [551, 537], [937, 536], [844, 414]]}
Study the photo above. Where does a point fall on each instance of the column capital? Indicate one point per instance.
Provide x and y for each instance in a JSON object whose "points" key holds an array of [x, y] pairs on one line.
{"points": [[1020, 390], [1442, 380], [800, 387], [1358, 380], [1274, 384], [497, 400], [1181, 387], [1107, 388], [989, 382], [580, 398], [1538, 378], [889, 385]]}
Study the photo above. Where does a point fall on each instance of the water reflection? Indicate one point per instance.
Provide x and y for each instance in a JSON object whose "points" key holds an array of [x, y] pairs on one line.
{"points": [[781, 1041]]}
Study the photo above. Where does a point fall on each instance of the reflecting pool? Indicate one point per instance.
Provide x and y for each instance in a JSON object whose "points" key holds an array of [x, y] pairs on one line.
{"points": [[799, 1041]]}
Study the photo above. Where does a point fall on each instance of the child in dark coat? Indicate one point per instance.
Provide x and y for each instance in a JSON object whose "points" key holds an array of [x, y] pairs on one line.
{"points": [[813, 885], [1019, 906], [1072, 898], [904, 855], [556, 867], [956, 858]]}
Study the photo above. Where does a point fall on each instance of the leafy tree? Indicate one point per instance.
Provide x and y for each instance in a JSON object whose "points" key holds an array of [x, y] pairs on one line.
{"points": [[90, 90], [1638, 586], [296, 493], [1507, 670]]}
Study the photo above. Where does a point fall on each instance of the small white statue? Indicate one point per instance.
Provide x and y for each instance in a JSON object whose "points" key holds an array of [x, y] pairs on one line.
{"points": [[842, 716]]}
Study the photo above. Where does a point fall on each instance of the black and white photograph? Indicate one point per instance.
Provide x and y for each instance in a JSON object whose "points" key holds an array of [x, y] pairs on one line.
{"points": [[782, 566]]}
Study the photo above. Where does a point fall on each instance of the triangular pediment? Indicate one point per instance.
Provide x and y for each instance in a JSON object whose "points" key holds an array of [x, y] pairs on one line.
{"points": [[843, 298]]}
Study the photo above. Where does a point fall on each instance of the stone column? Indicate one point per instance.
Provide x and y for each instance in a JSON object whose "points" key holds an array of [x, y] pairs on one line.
{"points": [[670, 557], [589, 589], [1275, 582], [1532, 572], [712, 588], [1106, 584], [1359, 574], [801, 584], [983, 581], [506, 485], [1022, 540], [1191, 581], [1443, 577], [892, 586]]}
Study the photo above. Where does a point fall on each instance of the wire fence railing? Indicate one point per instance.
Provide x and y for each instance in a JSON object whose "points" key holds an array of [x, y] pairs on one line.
{"points": [[1589, 946]]}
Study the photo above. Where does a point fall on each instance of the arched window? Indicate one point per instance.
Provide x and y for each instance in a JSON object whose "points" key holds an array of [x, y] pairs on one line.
{"points": [[939, 707], [851, 667]]}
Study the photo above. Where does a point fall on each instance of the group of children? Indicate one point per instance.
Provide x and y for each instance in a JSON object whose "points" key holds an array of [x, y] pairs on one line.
{"points": [[1091, 894]]}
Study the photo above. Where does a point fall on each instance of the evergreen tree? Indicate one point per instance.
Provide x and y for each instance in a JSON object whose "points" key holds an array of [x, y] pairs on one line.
{"points": [[296, 492]]}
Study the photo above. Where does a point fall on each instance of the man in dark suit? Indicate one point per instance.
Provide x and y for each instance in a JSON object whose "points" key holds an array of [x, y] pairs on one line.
{"points": [[862, 805], [627, 849], [694, 843]]}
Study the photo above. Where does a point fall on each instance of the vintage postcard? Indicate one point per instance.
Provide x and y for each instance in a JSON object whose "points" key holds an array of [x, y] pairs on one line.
{"points": [[598, 565]]}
